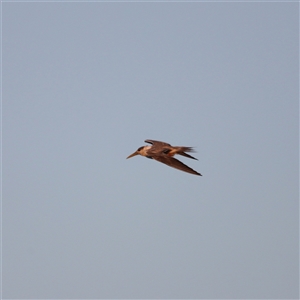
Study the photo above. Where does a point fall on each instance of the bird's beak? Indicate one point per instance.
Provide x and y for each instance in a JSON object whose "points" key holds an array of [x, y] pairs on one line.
{"points": [[133, 154]]}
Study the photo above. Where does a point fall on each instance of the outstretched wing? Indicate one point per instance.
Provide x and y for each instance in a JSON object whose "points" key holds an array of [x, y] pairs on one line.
{"points": [[158, 148], [157, 143], [175, 163]]}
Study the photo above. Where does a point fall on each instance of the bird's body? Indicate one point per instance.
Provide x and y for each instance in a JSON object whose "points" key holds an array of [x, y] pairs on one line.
{"points": [[164, 153]]}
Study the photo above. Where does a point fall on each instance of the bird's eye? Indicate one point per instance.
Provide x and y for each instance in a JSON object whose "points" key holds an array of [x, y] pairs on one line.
{"points": [[140, 149]]}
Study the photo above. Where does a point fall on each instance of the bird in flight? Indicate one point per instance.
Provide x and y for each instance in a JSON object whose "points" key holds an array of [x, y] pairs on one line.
{"points": [[164, 153]]}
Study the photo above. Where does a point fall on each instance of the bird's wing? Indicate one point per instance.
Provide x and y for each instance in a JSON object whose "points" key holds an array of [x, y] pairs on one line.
{"points": [[158, 148], [157, 143], [175, 163]]}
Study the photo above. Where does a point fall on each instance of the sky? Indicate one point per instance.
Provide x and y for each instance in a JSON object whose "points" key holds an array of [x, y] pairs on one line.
{"points": [[84, 84]]}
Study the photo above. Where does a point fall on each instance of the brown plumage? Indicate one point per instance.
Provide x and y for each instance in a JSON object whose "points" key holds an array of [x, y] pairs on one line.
{"points": [[164, 153]]}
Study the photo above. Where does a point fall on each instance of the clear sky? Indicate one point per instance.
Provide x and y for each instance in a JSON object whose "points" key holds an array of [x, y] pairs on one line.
{"points": [[84, 84]]}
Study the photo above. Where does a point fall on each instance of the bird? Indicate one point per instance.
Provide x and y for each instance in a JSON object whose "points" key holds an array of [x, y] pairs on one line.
{"points": [[164, 152]]}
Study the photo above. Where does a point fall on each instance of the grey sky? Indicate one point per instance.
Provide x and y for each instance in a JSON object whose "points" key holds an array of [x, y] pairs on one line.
{"points": [[84, 84]]}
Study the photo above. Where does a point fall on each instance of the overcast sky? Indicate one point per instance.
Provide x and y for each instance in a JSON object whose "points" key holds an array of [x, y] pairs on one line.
{"points": [[84, 84]]}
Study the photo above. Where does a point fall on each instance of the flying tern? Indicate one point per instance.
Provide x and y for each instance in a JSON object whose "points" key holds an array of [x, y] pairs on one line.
{"points": [[164, 152]]}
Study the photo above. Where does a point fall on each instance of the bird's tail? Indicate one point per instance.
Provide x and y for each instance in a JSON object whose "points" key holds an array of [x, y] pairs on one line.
{"points": [[182, 150]]}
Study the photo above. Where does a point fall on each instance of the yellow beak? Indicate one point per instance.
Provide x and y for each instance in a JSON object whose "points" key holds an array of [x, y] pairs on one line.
{"points": [[133, 154]]}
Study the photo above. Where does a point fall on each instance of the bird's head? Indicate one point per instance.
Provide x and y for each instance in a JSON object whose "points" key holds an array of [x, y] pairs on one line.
{"points": [[139, 151]]}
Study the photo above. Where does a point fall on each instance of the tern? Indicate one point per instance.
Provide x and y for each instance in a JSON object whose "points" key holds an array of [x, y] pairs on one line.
{"points": [[164, 153]]}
